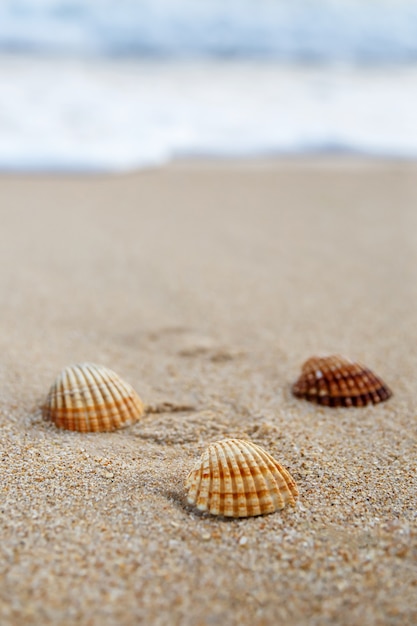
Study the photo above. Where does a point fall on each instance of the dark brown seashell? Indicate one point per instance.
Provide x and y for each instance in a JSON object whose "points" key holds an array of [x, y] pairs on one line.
{"points": [[337, 381]]}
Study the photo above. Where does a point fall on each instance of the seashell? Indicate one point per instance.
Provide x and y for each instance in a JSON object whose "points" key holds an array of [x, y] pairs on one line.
{"points": [[337, 381], [91, 398], [237, 478]]}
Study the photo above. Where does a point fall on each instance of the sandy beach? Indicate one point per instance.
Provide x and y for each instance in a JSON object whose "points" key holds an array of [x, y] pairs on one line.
{"points": [[206, 286]]}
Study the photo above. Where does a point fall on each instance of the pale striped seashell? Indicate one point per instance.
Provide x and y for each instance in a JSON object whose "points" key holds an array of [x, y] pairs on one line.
{"points": [[91, 398], [337, 381], [237, 478]]}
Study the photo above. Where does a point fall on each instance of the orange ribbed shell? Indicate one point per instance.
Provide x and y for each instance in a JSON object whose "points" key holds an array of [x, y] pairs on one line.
{"points": [[237, 478], [91, 398], [337, 381]]}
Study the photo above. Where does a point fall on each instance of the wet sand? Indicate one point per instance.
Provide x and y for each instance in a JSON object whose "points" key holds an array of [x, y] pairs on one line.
{"points": [[206, 286]]}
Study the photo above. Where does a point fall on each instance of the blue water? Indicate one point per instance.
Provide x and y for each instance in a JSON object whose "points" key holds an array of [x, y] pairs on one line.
{"points": [[118, 84], [364, 31]]}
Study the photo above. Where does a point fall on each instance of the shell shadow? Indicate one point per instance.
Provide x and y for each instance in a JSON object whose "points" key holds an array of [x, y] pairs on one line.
{"points": [[179, 500]]}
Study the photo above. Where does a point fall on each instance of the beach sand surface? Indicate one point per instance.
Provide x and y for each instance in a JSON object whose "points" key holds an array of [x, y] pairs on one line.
{"points": [[206, 286]]}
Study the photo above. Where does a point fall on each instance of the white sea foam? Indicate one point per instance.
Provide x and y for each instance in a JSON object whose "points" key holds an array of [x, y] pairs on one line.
{"points": [[142, 81], [101, 115]]}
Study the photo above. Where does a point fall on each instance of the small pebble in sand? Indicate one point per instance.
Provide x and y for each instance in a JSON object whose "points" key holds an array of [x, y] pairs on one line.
{"points": [[237, 478], [337, 381], [91, 398]]}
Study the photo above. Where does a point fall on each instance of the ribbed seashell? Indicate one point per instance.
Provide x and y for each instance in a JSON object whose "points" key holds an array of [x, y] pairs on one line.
{"points": [[237, 478], [91, 398], [337, 381]]}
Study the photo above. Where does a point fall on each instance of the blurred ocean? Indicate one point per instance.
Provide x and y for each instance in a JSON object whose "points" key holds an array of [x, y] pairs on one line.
{"points": [[117, 84]]}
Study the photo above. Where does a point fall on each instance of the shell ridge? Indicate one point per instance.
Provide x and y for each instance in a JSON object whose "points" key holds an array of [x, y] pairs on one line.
{"points": [[282, 478], [237, 486], [250, 480], [134, 407], [129, 399], [215, 482], [236, 478], [193, 484], [338, 381], [275, 498], [203, 492], [239, 464], [56, 398], [291, 484], [61, 396], [226, 503], [88, 393], [90, 398], [122, 404], [268, 502], [112, 397], [133, 404], [72, 398], [224, 477]]}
